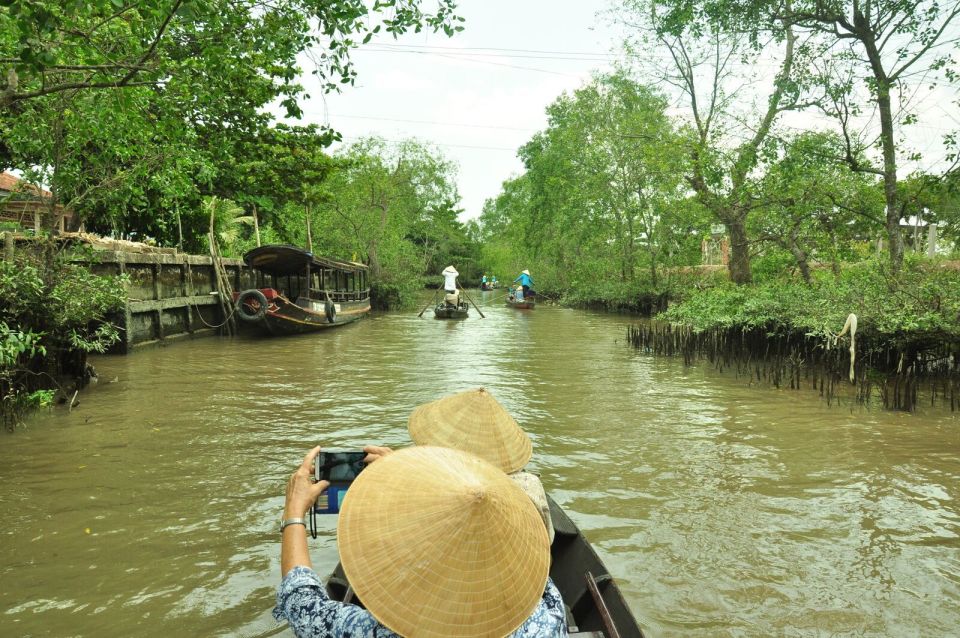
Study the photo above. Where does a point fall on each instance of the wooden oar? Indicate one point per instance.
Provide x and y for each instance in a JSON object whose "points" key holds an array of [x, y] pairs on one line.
{"points": [[601, 607], [431, 301], [472, 301]]}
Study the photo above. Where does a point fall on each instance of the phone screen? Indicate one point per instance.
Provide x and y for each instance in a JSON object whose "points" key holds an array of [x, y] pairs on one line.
{"points": [[339, 467]]}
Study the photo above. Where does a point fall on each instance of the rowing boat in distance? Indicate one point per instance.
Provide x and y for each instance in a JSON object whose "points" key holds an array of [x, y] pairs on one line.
{"points": [[593, 600], [527, 303], [300, 292], [443, 310]]}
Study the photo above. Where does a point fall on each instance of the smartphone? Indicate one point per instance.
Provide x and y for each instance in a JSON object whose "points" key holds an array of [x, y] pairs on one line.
{"points": [[339, 467]]}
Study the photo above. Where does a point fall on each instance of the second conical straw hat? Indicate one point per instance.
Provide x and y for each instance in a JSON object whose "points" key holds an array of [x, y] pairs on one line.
{"points": [[438, 543], [472, 421]]}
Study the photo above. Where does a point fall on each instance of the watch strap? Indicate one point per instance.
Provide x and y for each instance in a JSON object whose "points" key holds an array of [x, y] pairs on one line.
{"points": [[291, 521]]}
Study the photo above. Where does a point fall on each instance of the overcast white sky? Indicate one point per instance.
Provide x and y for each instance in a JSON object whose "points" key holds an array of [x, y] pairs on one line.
{"points": [[477, 102], [482, 94]]}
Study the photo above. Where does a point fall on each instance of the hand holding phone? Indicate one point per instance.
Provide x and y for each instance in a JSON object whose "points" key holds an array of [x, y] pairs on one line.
{"points": [[302, 490], [340, 468]]}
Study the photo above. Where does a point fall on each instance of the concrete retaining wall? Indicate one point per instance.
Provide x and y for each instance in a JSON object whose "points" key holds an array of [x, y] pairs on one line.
{"points": [[170, 294]]}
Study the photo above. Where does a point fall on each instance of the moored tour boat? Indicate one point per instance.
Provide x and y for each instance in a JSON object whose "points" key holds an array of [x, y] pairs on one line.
{"points": [[595, 606], [301, 292]]}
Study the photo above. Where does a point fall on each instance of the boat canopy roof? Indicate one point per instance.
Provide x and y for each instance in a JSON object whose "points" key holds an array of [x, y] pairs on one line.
{"points": [[284, 259]]}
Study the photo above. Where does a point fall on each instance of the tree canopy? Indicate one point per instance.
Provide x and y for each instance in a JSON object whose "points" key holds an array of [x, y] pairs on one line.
{"points": [[603, 193]]}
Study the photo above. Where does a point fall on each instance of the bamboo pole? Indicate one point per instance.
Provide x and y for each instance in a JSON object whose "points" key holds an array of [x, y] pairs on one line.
{"points": [[309, 234], [179, 230], [223, 284], [482, 316], [431, 301]]}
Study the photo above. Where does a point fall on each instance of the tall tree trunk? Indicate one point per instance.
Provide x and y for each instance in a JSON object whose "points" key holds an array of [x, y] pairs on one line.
{"points": [[375, 270], [799, 255], [630, 249], [890, 175], [739, 264]]}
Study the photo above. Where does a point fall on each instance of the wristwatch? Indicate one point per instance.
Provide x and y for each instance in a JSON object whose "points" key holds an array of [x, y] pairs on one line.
{"points": [[291, 521]]}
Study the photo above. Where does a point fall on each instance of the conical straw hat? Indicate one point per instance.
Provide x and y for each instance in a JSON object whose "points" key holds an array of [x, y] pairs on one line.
{"points": [[439, 543], [472, 421]]}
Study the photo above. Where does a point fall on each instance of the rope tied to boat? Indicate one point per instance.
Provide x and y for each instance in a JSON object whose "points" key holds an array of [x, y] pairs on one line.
{"points": [[233, 310]]}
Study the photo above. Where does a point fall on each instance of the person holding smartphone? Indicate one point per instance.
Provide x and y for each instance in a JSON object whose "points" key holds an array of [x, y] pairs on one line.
{"points": [[475, 422], [434, 565]]}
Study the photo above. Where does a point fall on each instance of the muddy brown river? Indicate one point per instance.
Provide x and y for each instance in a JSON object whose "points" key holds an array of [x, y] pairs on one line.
{"points": [[722, 509]]}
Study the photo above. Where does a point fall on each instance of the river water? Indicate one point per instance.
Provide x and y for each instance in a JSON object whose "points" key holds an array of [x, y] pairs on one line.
{"points": [[722, 509]]}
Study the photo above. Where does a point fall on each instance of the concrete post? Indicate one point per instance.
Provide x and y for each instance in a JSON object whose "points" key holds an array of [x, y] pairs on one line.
{"points": [[127, 315], [8, 246], [932, 240]]}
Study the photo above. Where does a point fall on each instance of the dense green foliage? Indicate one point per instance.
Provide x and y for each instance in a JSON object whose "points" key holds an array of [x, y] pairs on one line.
{"points": [[392, 206], [842, 58], [138, 110], [602, 205], [620, 193], [147, 119], [135, 115], [921, 302], [54, 313]]}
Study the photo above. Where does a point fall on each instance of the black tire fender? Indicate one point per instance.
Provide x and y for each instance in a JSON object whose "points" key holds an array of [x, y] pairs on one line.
{"points": [[255, 297], [331, 311]]}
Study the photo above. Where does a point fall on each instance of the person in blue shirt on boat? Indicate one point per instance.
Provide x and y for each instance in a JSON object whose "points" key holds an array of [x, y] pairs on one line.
{"points": [[434, 565], [526, 281]]}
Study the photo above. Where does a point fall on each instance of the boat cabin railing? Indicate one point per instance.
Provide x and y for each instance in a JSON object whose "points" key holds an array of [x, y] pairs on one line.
{"points": [[340, 286], [340, 295]]}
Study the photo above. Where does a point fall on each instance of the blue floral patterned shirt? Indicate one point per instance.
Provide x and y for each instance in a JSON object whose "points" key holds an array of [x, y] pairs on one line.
{"points": [[303, 602]]}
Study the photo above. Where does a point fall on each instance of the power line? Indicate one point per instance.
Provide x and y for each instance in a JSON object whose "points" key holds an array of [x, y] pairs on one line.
{"points": [[470, 54], [466, 59], [445, 48], [466, 52], [510, 66], [484, 148], [393, 119]]}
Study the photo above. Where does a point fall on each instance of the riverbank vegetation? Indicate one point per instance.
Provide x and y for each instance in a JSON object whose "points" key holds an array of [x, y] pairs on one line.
{"points": [[748, 166], [680, 184], [54, 313], [142, 119]]}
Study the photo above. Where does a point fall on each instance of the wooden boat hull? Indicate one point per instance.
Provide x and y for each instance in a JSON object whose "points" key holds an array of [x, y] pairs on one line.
{"points": [[445, 311], [522, 305], [283, 317], [572, 557]]}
